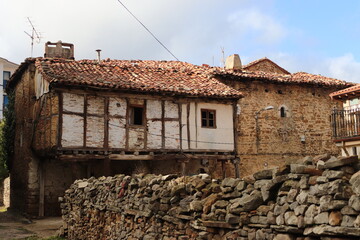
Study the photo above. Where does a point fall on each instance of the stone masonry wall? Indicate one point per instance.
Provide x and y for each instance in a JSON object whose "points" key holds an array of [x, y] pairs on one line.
{"points": [[279, 139], [315, 198]]}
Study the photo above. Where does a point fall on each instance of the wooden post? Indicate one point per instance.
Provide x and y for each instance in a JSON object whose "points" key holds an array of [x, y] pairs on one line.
{"points": [[41, 189], [107, 167], [237, 170], [183, 166], [223, 169]]}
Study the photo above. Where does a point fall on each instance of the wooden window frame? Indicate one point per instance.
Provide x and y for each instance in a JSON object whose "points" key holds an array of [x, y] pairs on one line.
{"points": [[207, 118], [131, 115]]}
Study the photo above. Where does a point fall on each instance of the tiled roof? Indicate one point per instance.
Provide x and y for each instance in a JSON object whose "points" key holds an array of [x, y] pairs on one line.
{"points": [[295, 78], [245, 67], [347, 93], [163, 77]]}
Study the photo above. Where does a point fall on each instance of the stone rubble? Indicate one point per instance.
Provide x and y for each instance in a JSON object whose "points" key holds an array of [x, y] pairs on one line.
{"points": [[315, 198]]}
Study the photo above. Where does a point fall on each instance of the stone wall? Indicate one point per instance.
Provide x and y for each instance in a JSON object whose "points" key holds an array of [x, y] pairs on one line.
{"points": [[305, 130], [315, 198]]}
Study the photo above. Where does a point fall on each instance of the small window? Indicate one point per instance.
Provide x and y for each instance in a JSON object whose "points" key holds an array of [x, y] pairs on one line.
{"points": [[6, 78], [282, 112], [5, 100], [137, 115], [354, 150], [208, 118]]}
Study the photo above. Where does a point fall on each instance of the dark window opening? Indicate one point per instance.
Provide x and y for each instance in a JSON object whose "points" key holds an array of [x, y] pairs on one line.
{"points": [[208, 118], [6, 78], [279, 92], [282, 112], [137, 116], [5, 101], [354, 151]]}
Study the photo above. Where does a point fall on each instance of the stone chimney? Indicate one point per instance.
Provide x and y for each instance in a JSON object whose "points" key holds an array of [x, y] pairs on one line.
{"points": [[233, 62], [59, 50]]}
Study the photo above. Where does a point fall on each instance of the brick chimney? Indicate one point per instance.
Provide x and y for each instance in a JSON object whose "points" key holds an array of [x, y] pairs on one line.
{"points": [[59, 50], [233, 62]]}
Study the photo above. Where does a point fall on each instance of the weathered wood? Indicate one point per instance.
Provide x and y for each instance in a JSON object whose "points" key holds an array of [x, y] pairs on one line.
{"points": [[85, 120], [180, 124], [162, 124], [106, 124], [145, 124], [188, 124], [127, 124], [60, 120]]}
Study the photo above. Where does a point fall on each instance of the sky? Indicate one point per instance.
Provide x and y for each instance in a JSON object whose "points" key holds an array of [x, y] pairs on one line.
{"points": [[315, 36]]}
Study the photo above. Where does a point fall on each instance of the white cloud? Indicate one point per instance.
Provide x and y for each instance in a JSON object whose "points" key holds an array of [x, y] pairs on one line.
{"points": [[344, 67], [253, 22]]}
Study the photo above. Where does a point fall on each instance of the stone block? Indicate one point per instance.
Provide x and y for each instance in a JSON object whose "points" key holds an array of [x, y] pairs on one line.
{"points": [[335, 218]]}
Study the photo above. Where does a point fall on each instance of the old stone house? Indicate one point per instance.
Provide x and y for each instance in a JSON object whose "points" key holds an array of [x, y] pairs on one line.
{"points": [[283, 116], [345, 121], [76, 119]]}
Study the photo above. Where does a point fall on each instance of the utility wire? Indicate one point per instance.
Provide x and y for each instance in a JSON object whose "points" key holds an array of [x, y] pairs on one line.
{"points": [[148, 30]]}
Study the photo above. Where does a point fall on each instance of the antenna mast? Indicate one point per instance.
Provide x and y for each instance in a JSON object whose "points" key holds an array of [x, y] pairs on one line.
{"points": [[222, 57], [34, 36]]}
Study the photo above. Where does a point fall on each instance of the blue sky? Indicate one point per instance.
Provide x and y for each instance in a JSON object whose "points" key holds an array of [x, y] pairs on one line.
{"points": [[320, 37]]}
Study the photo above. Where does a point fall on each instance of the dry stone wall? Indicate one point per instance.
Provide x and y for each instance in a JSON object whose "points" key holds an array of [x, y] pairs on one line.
{"points": [[315, 198]]}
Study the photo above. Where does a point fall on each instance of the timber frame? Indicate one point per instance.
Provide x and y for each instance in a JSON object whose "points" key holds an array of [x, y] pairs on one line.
{"points": [[84, 152]]}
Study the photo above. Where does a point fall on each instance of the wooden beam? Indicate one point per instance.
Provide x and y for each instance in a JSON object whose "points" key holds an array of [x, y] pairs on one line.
{"points": [[60, 120], [162, 124]]}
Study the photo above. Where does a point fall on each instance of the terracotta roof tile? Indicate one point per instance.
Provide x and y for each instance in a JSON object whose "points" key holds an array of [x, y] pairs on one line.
{"points": [[295, 78], [170, 77], [347, 93]]}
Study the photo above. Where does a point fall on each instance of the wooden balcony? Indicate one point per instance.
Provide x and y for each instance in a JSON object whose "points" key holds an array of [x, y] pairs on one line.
{"points": [[345, 124]]}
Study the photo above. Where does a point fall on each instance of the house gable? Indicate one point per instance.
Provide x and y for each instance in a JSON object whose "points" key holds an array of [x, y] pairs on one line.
{"points": [[265, 65]]}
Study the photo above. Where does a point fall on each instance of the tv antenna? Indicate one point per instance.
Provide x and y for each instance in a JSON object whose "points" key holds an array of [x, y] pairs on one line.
{"points": [[222, 57], [35, 35]]}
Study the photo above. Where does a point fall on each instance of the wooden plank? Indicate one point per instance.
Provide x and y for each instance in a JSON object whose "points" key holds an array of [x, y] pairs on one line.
{"points": [[188, 125], [106, 124], [130, 157], [235, 127], [154, 96], [180, 124], [60, 120], [162, 124], [85, 120], [145, 121], [127, 124]]}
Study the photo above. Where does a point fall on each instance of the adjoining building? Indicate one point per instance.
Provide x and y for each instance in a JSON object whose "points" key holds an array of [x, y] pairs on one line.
{"points": [[284, 117], [77, 119], [345, 121], [7, 68]]}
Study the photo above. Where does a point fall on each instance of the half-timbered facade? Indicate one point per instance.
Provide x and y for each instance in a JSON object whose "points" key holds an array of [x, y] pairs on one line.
{"points": [[77, 119]]}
